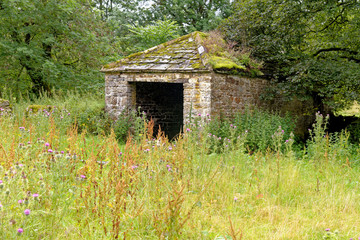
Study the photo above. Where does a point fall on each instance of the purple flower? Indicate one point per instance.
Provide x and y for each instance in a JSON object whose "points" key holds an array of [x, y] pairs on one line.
{"points": [[27, 212], [235, 199], [188, 129], [20, 201], [62, 152], [35, 195], [50, 150], [20, 230], [22, 128], [328, 229], [47, 144], [83, 176], [170, 148]]}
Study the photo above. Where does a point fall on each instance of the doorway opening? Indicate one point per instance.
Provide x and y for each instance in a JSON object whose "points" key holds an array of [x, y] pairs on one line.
{"points": [[162, 102]]}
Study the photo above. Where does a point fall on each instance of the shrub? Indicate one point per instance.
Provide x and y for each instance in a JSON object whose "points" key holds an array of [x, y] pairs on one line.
{"points": [[129, 123], [258, 125], [354, 129], [94, 120]]}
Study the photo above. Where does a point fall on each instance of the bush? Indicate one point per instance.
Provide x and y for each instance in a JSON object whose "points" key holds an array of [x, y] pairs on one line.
{"points": [[130, 123], [354, 129], [94, 120], [259, 126]]}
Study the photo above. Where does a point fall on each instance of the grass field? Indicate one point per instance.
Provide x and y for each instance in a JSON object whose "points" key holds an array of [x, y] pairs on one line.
{"points": [[57, 183]]}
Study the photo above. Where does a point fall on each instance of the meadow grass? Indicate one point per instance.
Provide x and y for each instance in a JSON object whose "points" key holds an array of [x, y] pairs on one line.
{"points": [[57, 183]]}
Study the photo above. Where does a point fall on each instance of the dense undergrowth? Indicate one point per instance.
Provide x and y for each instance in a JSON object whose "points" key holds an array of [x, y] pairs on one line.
{"points": [[57, 181]]}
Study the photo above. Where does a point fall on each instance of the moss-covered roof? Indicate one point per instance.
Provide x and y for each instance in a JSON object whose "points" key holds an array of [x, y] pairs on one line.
{"points": [[178, 55], [185, 54]]}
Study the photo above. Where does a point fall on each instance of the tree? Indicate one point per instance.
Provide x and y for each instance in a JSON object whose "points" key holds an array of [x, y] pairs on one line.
{"points": [[310, 48], [51, 43], [191, 15]]}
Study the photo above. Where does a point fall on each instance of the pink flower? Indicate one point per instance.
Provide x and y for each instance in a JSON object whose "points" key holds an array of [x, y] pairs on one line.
{"points": [[35, 195], [20, 230], [50, 150], [83, 176], [27, 212], [47, 144], [20, 201]]}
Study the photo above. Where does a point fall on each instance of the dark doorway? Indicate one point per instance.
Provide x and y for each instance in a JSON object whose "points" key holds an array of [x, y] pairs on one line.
{"points": [[163, 102]]}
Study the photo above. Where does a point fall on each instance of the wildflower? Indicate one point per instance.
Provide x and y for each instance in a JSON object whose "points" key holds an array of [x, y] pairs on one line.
{"points": [[35, 195], [27, 212], [188, 130], [134, 166], [328, 229], [20, 201], [22, 128], [20, 230], [83, 176], [120, 154], [50, 150], [47, 144], [170, 148], [235, 199], [62, 152]]}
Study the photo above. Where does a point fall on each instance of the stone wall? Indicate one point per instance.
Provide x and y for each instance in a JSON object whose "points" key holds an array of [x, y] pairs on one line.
{"points": [[234, 93], [121, 91]]}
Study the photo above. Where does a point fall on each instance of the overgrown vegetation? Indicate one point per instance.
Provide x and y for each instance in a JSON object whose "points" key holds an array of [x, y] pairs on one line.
{"points": [[60, 182]]}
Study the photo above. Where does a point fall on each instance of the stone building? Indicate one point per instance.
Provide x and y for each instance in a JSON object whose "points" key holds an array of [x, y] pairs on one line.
{"points": [[178, 78]]}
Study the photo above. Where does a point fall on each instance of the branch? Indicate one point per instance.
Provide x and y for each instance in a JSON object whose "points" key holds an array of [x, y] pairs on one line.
{"points": [[334, 49]]}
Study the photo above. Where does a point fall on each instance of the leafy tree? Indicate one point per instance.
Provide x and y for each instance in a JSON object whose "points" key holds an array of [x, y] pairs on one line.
{"points": [[152, 35], [191, 15], [51, 43], [311, 48]]}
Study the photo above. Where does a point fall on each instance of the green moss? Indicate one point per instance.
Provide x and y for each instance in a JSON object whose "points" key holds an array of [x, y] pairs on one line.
{"points": [[221, 63], [196, 65]]}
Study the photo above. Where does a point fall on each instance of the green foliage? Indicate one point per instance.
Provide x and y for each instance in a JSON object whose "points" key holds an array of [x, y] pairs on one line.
{"points": [[310, 48], [94, 120], [261, 125], [354, 130], [260, 128], [130, 123], [199, 15], [154, 34], [225, 57], [50, 43]]}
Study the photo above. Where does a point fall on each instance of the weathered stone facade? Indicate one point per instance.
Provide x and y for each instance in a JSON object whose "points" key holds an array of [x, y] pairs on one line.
{"points": [[184, 83], [203, 93]]}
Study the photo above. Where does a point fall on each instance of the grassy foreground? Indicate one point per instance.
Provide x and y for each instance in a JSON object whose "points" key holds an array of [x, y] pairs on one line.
{"points": [[58, 184]]}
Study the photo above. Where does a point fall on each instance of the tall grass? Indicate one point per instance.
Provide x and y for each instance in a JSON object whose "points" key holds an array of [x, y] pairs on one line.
{"points": [[78, 185]]}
